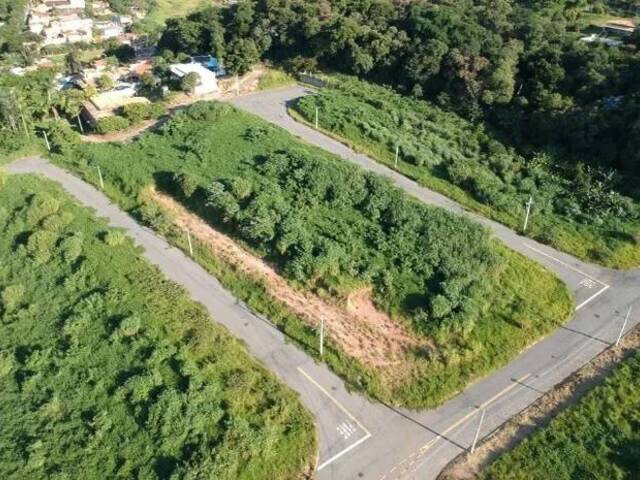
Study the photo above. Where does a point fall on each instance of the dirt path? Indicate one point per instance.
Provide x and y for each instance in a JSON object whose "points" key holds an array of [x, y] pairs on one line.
{"points": [[469, 466], [359, 329]]}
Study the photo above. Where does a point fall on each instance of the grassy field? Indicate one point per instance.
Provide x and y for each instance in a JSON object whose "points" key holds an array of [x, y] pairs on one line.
{"points": [[597, 439], [332, 229], [109, 371], [164, 9], [572, 210], [275, 79]]}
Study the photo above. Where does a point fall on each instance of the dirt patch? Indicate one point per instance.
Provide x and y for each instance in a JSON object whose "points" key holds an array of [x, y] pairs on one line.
{"points": [[359, 329], [541, 412]]}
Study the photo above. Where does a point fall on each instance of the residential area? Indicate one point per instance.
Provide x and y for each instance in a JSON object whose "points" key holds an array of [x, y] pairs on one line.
{"points": [[323, 240]]}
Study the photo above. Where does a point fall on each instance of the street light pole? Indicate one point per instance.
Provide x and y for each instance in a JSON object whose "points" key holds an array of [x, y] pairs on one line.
{"points": [[46, 139], [526, 218], [322, 336], [100, 177], [189, 241], [397, 153], [316, 118], [475, 439], [624, 325]]}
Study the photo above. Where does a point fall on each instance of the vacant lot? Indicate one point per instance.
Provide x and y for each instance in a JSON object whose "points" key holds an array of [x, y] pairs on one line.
{"points": [[599, 438], [109, 371], [332, 230], [575, 209]]}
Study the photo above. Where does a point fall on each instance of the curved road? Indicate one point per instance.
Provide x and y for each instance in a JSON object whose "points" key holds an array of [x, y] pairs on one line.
{"points": [[358, 438]]}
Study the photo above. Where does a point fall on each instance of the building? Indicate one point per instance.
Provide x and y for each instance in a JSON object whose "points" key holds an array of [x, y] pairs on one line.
{"points": [[66, 4], [622, 28], [594, 38], [106, 104], [108, 29], [208, 81]]}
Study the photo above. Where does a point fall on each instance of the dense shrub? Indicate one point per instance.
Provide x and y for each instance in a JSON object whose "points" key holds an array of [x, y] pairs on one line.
{"points": [[598, 438], [327, 226], [111, 124], [137, 112], [465, 161], [107, 370]]}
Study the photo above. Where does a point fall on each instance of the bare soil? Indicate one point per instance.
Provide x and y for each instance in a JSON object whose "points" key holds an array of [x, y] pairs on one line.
{"points": [[358, 328], [540, 413]]}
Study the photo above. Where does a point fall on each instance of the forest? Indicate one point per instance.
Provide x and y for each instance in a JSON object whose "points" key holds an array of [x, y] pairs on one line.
{"points": [[107, 370], [517, 65], [597, 438], [576, 208], [330, 228]]}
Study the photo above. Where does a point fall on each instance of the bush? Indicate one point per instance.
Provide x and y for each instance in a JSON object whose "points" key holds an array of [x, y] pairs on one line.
{"points": [[11, 296], [185, 184], [113, 238], [111, 124], [137, 112]]}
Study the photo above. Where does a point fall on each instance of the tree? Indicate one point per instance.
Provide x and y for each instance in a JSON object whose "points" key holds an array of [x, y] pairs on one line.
{"points": [[105, 82], [72, 63], [189, 82], [242, 55]]}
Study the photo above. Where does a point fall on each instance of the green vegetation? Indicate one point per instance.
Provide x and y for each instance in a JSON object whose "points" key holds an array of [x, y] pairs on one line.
{"points": [[111, 124], [275, 79], [576, 208], [599, 438], [107, 370], [331, 228]]}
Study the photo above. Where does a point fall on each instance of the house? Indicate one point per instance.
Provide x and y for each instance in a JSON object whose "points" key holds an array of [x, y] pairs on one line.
{"points": [[210, 63], [208, 81], [66, 4], [594, 38], [106, 104], [622, 27], [108, 29]]}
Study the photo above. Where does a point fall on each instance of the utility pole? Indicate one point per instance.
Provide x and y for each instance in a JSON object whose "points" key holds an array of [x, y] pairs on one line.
{"points": [[475, 439], [80, 124], [526, 218], [397, 153], [624, 324], [46, 139], [100, 177], [316, 118], [322, 336], [190, 244]]}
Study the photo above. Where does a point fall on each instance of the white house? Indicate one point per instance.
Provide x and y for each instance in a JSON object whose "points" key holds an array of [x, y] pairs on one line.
{"points": [[208, 81]]}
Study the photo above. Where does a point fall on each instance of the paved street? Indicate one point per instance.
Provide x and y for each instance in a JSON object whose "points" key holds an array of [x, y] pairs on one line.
{"points": [[359, 438]]}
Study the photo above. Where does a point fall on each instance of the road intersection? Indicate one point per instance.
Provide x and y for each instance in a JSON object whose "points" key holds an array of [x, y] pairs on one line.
{"points": [[360, 438]]}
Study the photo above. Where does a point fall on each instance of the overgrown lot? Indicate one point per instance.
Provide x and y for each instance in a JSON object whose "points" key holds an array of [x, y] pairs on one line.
{"points": [[332, 229], [109, 371], [576, 209], [598, 438]]}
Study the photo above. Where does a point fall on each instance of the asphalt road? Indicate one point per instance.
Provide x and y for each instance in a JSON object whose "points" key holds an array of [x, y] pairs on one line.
{"points": [[360, 438]]}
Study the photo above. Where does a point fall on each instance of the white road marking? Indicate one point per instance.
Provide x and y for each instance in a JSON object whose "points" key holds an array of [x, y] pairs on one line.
{"points": [[564, 264], [347, 413], [588, 283], [604, 288]]}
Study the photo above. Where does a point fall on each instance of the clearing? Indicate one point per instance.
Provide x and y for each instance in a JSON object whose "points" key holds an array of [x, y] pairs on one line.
{"points": [[459, 303]]}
